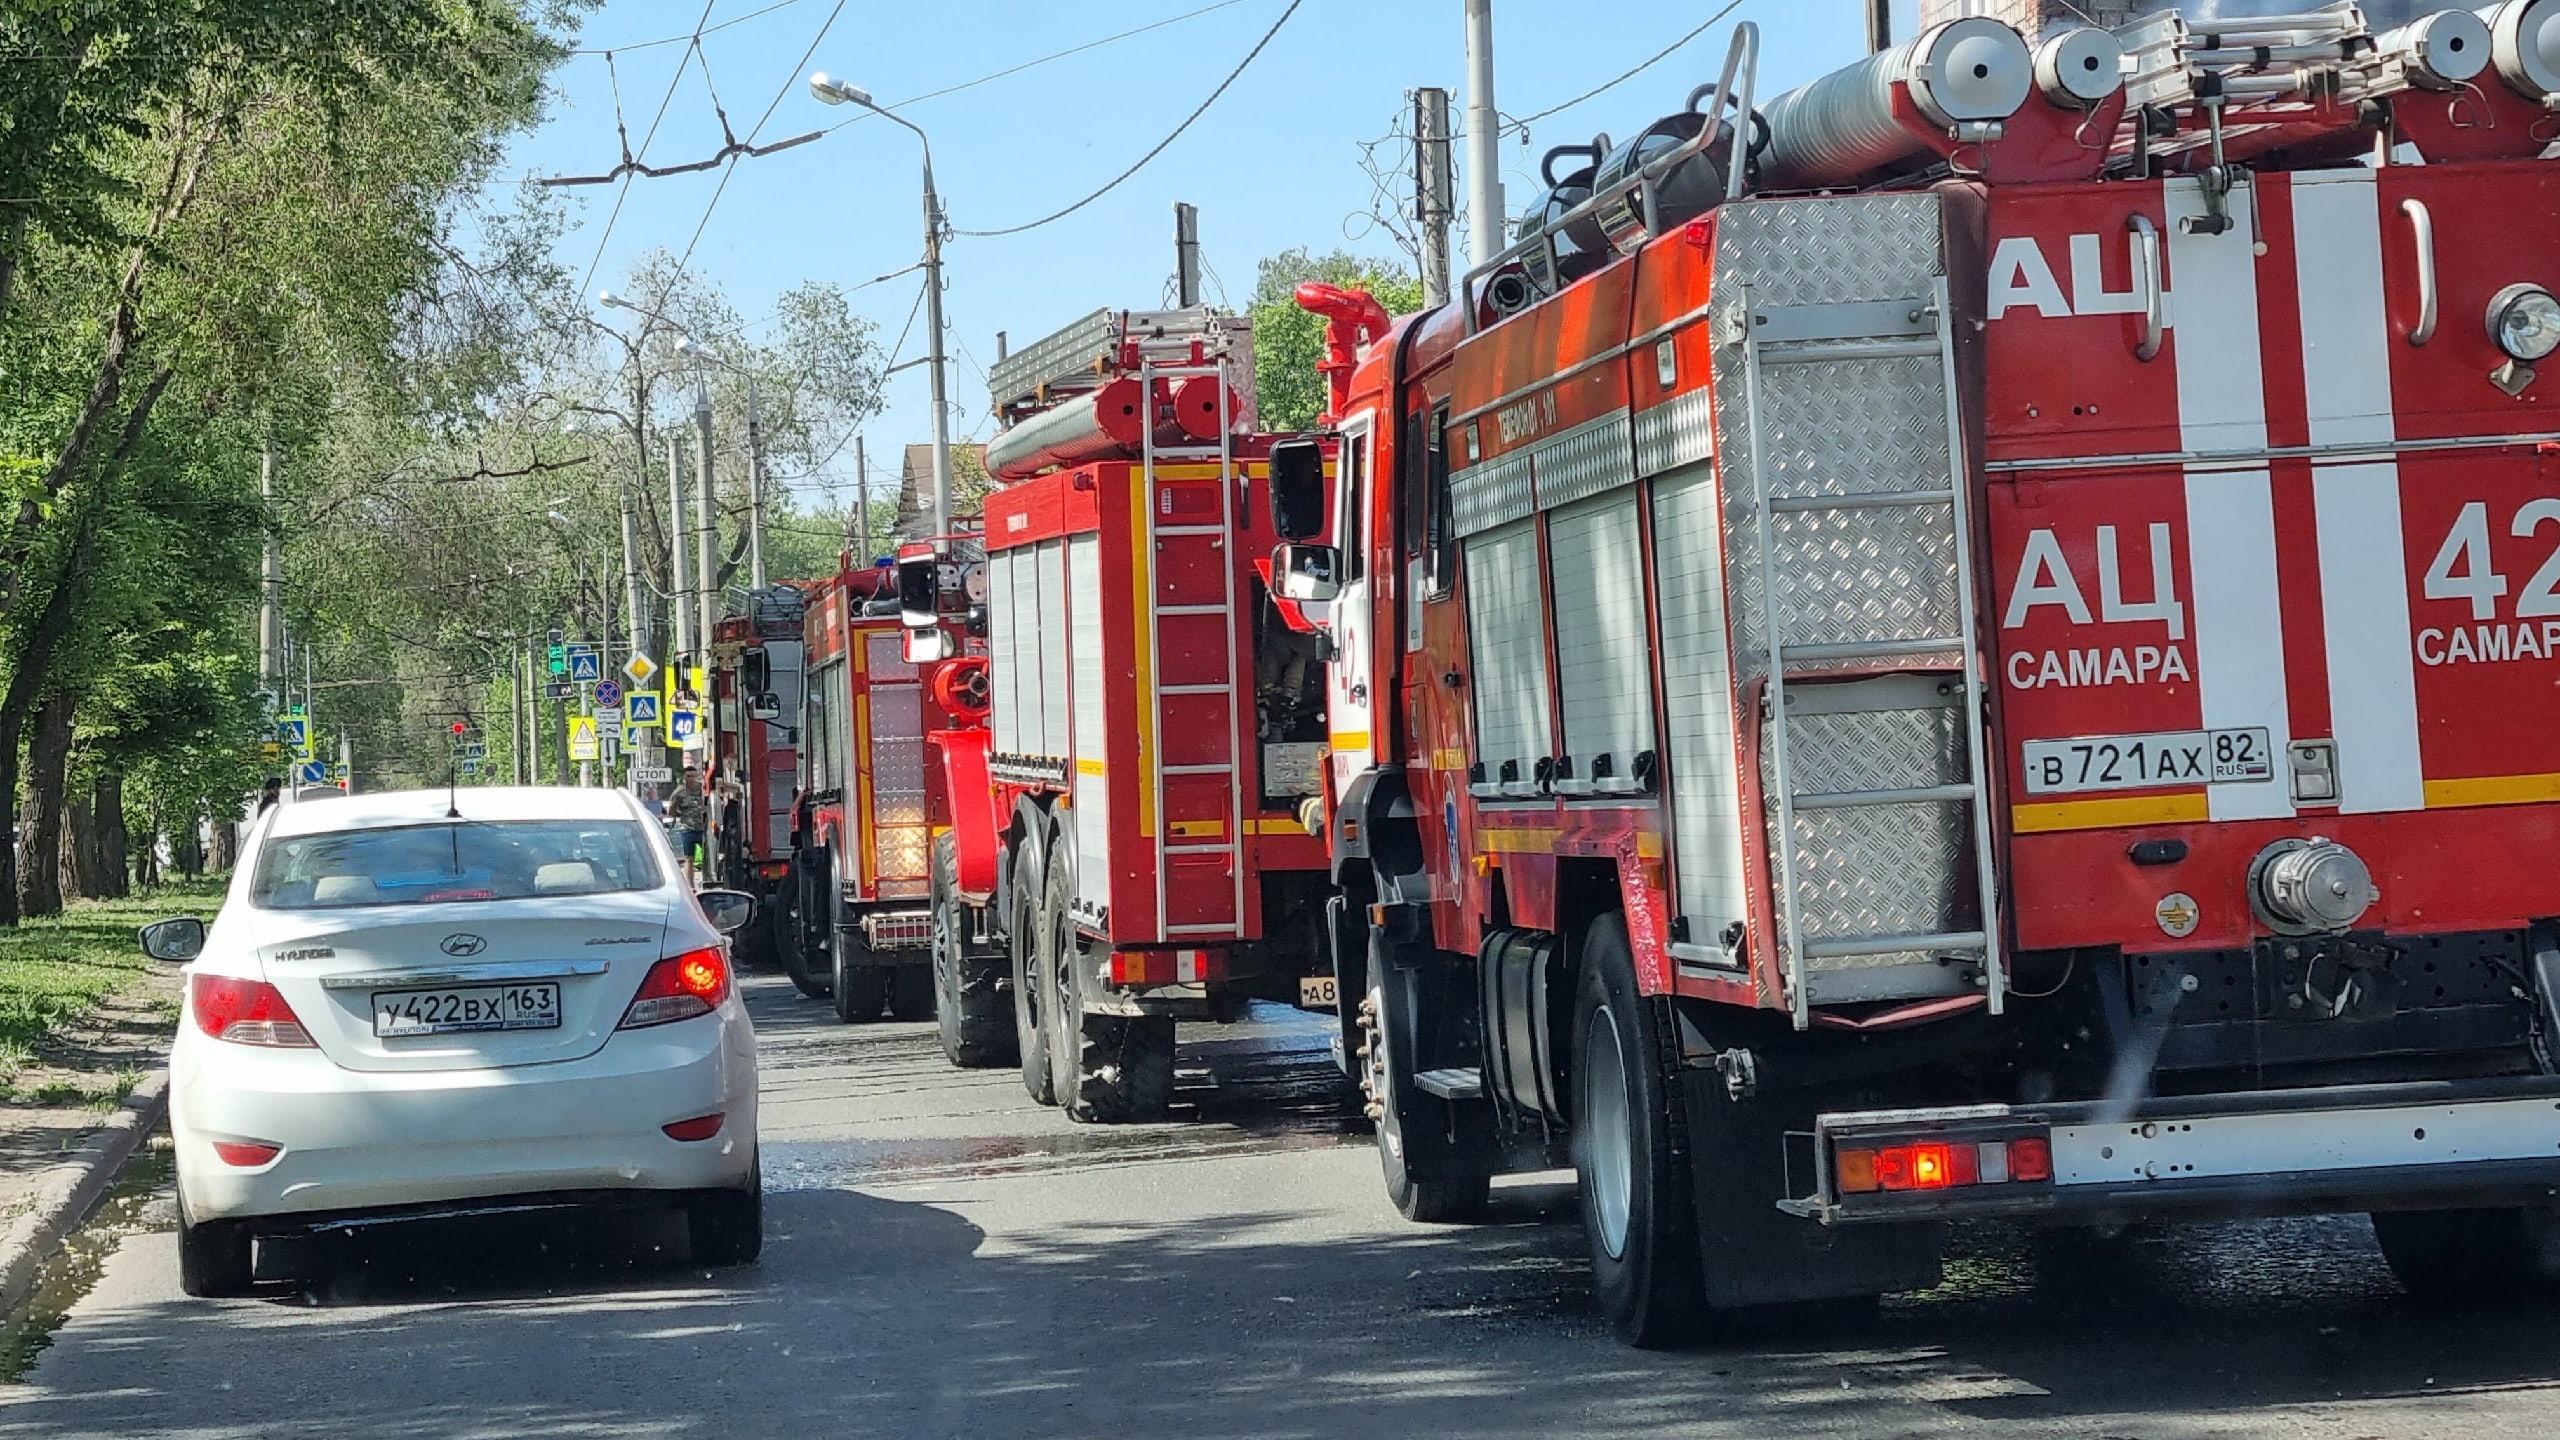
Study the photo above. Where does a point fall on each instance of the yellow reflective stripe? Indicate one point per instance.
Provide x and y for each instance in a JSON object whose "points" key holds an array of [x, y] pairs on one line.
{"points": [[2492, 790], [2112, 811]]}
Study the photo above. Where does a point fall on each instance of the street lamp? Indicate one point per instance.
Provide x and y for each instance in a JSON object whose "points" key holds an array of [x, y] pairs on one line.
{"points": [[695, 350], [836, 92]]}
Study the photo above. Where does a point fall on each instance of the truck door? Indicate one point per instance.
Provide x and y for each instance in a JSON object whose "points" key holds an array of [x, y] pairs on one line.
{"points": [[1353, 621]]}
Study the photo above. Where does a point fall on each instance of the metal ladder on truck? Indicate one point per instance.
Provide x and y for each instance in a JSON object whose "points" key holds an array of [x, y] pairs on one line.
{"points": [[1789, 341], [1228, 845]]}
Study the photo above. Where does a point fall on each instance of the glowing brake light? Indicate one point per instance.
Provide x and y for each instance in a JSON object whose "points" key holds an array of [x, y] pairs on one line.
{"points": [[679, 988], [1948, 1164], [244, 1012]]}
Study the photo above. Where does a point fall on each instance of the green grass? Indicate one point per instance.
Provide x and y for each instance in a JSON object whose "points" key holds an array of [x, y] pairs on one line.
{"points": [[56, 970]]}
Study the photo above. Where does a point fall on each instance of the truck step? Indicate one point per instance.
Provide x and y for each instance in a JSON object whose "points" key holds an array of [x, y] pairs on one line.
{"points": [[1862, 500], [1454, 1083], [1850, 946], [1862, 799], [1875, 649]]}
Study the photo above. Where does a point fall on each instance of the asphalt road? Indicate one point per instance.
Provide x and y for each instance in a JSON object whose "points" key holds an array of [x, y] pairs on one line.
{"points": [[945, 1258]]}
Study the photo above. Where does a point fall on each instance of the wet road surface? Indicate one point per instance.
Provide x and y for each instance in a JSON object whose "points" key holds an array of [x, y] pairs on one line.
{"points": [[944, 1258]]}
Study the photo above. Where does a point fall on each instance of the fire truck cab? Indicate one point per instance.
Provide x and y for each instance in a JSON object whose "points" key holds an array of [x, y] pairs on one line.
{"points": [[756, 672], [1984, 655]]}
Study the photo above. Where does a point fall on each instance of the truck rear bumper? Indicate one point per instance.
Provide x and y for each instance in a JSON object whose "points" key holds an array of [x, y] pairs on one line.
{"points": [[2438, 1144]]}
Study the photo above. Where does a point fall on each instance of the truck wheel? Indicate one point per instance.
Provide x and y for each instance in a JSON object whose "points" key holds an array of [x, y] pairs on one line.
{"points": [[1062, 954], [1432, 1202], [1030, 978], [910, 992], [816, 911], [2471, 1255], [1124, 1069], [970, 1007], [213, 1256], [859, 986], [1635, 1184]]}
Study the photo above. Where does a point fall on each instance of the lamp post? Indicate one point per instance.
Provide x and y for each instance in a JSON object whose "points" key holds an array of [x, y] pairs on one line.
{"points": [[696, 350], [837, 92]]}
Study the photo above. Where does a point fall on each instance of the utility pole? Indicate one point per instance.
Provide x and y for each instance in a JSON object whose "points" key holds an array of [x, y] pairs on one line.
{"points": [[1879, 25], [1186, 255], [680, 628], [707, 533], [1485, 232], [1431, 190], [515, 719], [933, 318], [755, 492], [530, 749], [862, 503], [347, 760], [270, 585]]}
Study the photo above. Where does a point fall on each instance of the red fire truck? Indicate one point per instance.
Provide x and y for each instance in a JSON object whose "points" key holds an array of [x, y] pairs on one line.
{"points": [[861, 929], [1987, 658], [755, 678], [1126, 824]]}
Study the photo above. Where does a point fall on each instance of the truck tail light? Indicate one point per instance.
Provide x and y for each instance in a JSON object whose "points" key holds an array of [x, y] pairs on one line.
{"points": [[1871, 1165], [1167, 967]]}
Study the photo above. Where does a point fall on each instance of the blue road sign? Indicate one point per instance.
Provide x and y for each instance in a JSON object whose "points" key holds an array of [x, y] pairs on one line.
{"points": [[681, 725], [585, 663], [295, 732], [644, 707], [608, 694], [315, 772]]}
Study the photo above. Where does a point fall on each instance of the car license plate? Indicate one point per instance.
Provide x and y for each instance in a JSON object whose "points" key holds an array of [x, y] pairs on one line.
{"points": [[455, 1011], [1315, 991], [2140, 762]]}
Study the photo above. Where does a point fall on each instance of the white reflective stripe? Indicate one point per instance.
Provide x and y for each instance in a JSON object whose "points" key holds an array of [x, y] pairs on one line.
{"points": [[2231, 527], [2211, 1146], [2364, 593]]}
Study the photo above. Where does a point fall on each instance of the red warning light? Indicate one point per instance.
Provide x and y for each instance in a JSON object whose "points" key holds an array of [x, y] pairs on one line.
{"points": [[459, 727]]}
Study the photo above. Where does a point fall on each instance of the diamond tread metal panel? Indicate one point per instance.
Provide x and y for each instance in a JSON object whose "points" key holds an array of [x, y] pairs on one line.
{"points": [[1712, 884], [1493, 493], [1586, 460], [1507, 634], [1679, 431], [1602, 654], [1829, 251], [1880, 870]]}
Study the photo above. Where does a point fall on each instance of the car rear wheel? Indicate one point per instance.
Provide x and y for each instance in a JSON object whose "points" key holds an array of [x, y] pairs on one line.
{"points": [[727, 1226], [213, 1257], [2471, 1255]]}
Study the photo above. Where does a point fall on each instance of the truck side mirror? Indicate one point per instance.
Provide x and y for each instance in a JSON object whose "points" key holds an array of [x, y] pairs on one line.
{"points": [[1307, 573], [755, 672], [1297, 489], [764, 705], [926, 644], [919, 592]]}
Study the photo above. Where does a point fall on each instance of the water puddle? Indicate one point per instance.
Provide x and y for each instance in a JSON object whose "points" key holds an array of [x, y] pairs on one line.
{"points": [[73, 1271]]}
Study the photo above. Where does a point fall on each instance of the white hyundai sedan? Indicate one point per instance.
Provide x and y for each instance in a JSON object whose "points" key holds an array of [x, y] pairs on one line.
{"points": [[429, 1003]]}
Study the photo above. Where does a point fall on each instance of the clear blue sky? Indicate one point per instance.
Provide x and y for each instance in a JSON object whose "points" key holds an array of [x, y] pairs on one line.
{"points": [[1274, 164]]}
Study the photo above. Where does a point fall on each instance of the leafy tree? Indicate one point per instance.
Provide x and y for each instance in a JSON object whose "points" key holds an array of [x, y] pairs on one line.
{"points": [[1288, 341]]}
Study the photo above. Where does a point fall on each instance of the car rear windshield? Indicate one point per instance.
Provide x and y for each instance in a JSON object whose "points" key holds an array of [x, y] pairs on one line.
{"points": [[429, 864]]}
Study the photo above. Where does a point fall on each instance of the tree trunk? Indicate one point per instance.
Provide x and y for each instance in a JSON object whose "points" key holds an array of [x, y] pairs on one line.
{"points": [[40, 852], [146, 861], [115, 843], [80, 845], [186, 845]]}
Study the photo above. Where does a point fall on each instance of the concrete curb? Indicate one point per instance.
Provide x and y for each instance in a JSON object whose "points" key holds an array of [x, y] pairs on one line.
{"points": [[69, 1186]]}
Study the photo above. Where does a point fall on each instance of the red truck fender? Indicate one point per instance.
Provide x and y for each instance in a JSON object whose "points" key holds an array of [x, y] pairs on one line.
{"points": [[973, 807]]}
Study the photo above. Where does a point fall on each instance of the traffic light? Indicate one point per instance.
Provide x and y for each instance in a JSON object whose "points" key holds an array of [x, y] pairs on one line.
{"points": [[459, 728]]}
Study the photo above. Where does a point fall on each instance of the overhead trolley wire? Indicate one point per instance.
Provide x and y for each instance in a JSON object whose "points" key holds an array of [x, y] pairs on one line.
{"points": [[1524, 122]]}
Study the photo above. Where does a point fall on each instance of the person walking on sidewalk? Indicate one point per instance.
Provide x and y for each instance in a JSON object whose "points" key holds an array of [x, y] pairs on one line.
{"points": [[687, 811]]}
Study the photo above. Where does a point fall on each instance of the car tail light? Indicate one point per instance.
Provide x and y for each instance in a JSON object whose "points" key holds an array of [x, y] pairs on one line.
{"points": [[679, 988], [244, 1012], [774, 869], [247, 1154], [700, 1127]]}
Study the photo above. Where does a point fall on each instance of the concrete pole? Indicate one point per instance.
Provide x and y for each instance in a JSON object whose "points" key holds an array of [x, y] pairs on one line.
{"points": [[347, 760], [515, 719], [1431, 190], [270, 585], [862, 504], [680, 630], [1186, 255], [933, 319], [1485, 232], [1879, 25], [755, 492], [706, 581]]}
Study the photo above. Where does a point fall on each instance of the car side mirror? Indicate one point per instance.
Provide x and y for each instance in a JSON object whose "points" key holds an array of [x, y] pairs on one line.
{"points": [[1297, 489], [175, 941], [765, 706], [728, 910], [1307, 573]]}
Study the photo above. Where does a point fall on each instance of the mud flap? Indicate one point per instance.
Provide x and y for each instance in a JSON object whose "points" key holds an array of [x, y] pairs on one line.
{"points": [[1756, 1254], [1429, 1010]]}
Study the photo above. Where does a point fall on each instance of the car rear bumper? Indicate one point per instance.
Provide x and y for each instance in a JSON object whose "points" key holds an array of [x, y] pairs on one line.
{"points": [[2432, 1145], [357, 1140]]}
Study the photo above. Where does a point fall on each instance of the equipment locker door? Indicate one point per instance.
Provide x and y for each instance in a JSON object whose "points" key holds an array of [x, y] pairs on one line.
{"points": [[1353, 620]]}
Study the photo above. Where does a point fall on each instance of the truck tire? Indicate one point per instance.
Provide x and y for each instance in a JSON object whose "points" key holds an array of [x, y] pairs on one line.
{"points": [[910, 992], [816, 935], [213, 1256], [970, 1008], [1459, 1201], [1030, 977], [1635, 1201], [859, 987], [1124, 1069], [2458, 1256]]}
